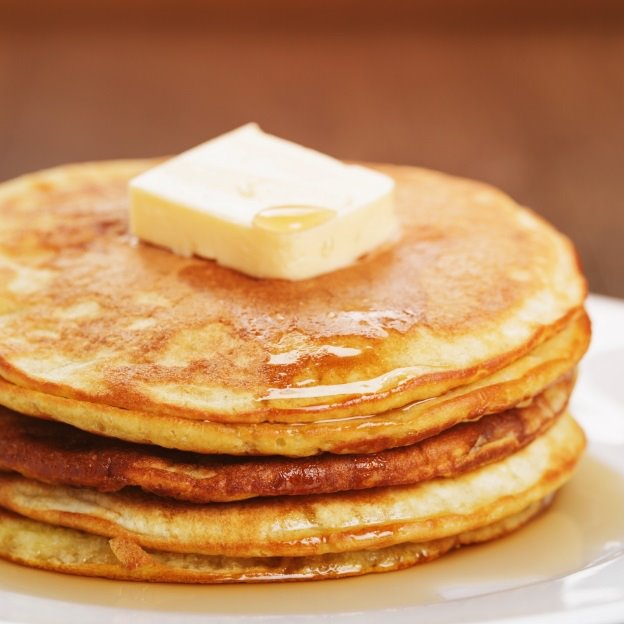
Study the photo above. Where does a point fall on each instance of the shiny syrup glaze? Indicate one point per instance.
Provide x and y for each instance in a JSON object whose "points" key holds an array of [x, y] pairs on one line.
{"points": [[285, 219]]}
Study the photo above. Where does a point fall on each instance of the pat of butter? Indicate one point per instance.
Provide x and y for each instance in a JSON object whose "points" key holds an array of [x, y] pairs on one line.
{"points": [[264, 206]]}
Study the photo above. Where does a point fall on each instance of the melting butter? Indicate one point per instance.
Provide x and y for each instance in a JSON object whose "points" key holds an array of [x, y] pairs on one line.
{"points": [[264, 206]]}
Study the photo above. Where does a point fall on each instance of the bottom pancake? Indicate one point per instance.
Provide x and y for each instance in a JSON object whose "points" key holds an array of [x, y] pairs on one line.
{"points": [[312, 525], [47, 547]]}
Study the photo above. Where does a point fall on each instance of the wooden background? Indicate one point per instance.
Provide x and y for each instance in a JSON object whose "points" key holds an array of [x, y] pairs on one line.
{"points": [[527, 95]]}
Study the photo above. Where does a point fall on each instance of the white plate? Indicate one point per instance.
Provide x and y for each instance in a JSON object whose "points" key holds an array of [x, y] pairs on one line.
{"points": [[567, 566]]}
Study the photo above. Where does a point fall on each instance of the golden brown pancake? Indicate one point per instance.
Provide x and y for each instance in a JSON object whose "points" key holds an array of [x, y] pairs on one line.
{"points": [[48, 547], [475, 283], [56, 453], [312, 525], [509, 386]]}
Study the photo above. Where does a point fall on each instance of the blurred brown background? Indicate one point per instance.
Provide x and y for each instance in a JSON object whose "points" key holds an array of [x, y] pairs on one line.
{"points": [[527, 95]]}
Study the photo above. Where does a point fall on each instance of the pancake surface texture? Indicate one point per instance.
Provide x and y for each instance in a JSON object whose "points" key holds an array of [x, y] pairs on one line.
{"points": [[86, 314]]}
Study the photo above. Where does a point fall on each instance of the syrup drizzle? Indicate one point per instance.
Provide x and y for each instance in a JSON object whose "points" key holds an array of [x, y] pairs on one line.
{"points": [[287, 218]]}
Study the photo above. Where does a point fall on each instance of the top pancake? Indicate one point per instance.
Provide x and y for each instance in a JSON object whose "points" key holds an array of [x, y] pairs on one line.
{"points": [[85, 313]]}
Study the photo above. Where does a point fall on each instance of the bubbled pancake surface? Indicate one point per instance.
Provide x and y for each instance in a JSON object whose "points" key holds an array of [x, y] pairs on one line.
{"points": [[475, 283], [311, 525], [57, 453]]}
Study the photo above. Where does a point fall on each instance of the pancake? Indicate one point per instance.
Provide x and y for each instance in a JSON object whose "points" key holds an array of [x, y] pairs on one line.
{"points": [[476, 283], [511, 385], [311, 525], [193, 424], [48, 547], [56, 453]]}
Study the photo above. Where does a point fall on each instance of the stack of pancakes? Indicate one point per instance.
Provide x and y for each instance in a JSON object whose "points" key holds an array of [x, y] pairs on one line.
{"points": [[167, 419]]}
